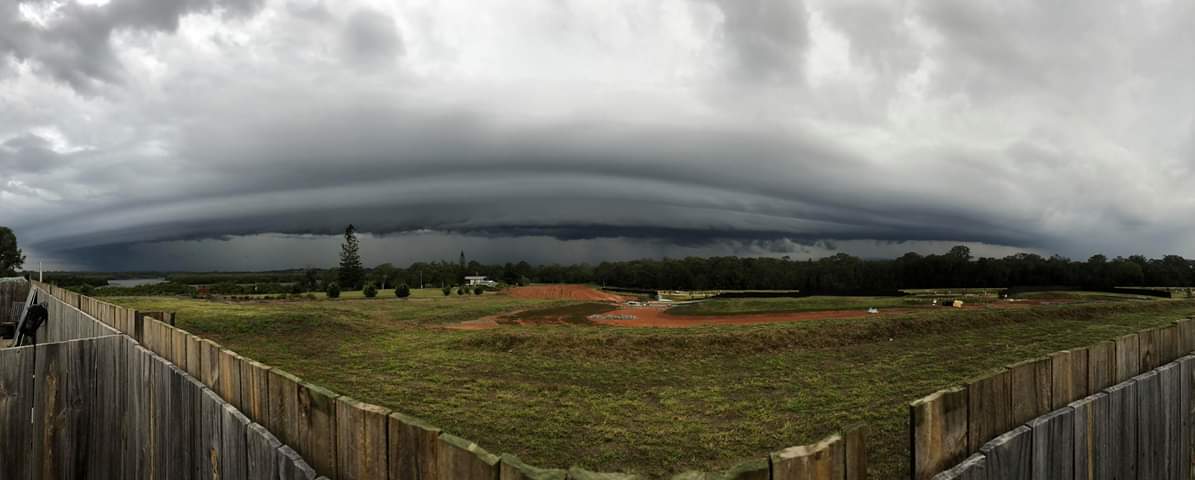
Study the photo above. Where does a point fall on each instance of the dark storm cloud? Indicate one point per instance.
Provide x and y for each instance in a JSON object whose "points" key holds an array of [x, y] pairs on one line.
{"points": [[751, 127]]}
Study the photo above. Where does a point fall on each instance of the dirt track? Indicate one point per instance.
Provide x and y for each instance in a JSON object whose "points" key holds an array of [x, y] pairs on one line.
{"points": [[565, 292]]}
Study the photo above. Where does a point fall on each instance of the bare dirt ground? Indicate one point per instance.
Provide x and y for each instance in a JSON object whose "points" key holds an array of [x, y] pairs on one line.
{"points": [[565, 292]]}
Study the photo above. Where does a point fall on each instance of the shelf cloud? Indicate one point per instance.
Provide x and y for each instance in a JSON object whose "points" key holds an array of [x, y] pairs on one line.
{"points": [[605, 129]]}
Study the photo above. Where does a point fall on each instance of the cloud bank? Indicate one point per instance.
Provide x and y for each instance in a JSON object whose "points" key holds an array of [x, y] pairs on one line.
{"points": [[661, 127]]}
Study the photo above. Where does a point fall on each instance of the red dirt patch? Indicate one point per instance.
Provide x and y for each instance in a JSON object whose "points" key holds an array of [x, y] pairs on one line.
{"points": [[565, 292]]}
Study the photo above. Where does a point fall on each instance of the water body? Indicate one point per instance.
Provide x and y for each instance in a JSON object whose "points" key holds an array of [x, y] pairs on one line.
{"points": [[136, 282]]}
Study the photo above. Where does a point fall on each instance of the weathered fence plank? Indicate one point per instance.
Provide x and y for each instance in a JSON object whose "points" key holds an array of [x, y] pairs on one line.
{"points": [[233, 463], [229, 381], [283, 419], [1170, 398], [1187, 410], [255, 390], [973, 468], [1053, 445], [1101, 366], [360, 440], [212, 413], [316, 427], [1031, 383], [1150, 432], [261, 453], [1147, 349], [1010, 455], [460, 458], [194, 365], [939, 429], [63, 397], [292, 467], [1095, 450], [16, 403], [856, 452], [1070, 376], [412, 446], [989, 401], [1128, 357]]}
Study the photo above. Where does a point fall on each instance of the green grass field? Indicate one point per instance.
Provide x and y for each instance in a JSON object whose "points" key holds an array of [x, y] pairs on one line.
{"points": [[649, 401], [736, 306]]}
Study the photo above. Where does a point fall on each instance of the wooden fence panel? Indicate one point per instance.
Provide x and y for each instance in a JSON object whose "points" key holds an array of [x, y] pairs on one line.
{"points": [[973, 468], [856, 452], [178, 347], [168, 420], [989, 402], [63, 397], [1169, 386], [228, 382], [1070, 376], [461, 459], [939, 432], [1187, 410], [292, 467], [192, 429], [512, 468], [16, 403], [1053, 445], [1186, 336], [284, 410], [1101, 366], [316, 428], [1122, 428], [209, 353], [233, 463], [261, 452], [1031, 384], [212, 413], [1096, 451], [106, 420], [1147, 349], [136, 386], [1168, 340], [1010, 456], [194, 365], [1128, 357], [412, 448], [1150, 433], [360, 440], [255, 390]]}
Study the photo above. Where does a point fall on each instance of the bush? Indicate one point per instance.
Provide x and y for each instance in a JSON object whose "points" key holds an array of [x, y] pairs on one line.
{"points": [[370, 291], [447, 291], [296, 288], [333, 290], [478, 290], [403, 291], [460, 290]]}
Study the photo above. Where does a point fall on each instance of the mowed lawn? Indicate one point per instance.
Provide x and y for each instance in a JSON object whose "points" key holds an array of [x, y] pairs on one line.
{"points": [[648, 401]]}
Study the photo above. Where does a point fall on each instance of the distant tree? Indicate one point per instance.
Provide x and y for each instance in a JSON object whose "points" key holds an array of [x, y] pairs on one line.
{"points": [[333, 290], [11, 257], [352, 274], [460, 290], [446, 290], [370, 291], [403, 291], [478, 290], [297, 288], [310, 280], [384, 273], [461, 270]]}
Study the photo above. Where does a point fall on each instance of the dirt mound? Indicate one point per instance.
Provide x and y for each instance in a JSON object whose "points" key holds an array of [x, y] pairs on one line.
{"points": [[565, 292]]}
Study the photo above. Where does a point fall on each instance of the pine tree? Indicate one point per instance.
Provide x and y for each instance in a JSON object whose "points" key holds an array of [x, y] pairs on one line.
{"points": [[352, 274], [462, 268]]}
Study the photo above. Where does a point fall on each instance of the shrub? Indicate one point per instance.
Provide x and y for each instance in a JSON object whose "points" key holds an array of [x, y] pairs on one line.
{"points": [[478, 290], [370, 291], [296, 288], [447, 291], [333, 290], [403, 291], [460, 290]]}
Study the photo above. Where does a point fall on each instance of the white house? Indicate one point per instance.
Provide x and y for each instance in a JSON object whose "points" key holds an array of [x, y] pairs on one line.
{"points": [[479, 280]]}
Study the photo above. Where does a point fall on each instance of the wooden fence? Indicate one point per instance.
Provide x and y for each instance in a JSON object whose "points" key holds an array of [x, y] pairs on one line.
{"points": [[12, 298], [105, 407], [1137, 429], [952, 426], [344, 438]]}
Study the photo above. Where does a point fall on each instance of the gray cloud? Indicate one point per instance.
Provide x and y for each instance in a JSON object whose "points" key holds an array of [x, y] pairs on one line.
{"points": [[846, 123], [371, 38]]}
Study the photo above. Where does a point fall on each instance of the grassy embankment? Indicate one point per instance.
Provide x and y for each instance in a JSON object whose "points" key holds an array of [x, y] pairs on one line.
{"points": [[651, 401]]}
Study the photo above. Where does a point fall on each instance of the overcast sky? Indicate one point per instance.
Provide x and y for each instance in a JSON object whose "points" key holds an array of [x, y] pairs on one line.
{"points": [[235, 134]]}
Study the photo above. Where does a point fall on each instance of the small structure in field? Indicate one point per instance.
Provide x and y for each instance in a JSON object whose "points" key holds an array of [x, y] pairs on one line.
{"points": [[479, 281]]}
